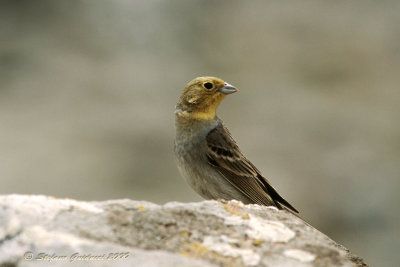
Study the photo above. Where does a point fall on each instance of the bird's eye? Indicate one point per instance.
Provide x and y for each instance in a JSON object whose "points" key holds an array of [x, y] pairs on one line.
{"points": [[208, 85]]}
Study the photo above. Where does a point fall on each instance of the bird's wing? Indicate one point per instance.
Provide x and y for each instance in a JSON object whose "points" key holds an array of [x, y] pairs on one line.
{"points": [[225, 156]]}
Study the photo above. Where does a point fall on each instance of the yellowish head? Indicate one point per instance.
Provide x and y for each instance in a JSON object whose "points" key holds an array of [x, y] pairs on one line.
{"points": [[201, 97]]}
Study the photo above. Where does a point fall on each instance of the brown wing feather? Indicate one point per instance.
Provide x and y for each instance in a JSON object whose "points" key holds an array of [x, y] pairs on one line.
{"points": [[225, 155]]}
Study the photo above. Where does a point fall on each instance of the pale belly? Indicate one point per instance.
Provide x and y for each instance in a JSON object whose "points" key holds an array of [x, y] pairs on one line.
{"points": [[206, 181]]}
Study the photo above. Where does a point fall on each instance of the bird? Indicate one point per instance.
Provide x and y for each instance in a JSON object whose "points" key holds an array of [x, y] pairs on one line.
{"points": [[206, 154]]}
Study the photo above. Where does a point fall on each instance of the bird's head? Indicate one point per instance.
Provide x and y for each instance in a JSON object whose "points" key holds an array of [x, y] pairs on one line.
{"points": [[201, 97]]}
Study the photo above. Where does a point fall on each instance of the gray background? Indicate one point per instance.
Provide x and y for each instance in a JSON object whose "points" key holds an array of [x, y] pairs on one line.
{"points": [[88, 90]]}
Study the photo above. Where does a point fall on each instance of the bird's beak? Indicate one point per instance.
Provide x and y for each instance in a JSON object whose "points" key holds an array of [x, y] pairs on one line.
{"points": [[228, 89]]}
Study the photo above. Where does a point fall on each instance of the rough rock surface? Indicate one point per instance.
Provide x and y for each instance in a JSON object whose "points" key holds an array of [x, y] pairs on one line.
{"points": [[46, 231]]}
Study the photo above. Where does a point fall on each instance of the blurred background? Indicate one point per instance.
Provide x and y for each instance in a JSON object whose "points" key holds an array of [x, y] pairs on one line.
{"points": [[88, 88]]}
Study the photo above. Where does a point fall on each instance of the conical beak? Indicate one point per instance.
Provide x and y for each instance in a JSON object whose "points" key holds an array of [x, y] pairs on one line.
{"points": [[228, 89]]}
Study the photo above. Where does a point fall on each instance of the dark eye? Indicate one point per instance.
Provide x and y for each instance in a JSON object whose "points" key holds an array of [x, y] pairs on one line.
{"points": [[208, 85]]}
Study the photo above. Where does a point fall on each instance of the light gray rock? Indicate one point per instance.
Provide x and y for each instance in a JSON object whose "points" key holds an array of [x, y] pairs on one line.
{"points": [[56, 232]]}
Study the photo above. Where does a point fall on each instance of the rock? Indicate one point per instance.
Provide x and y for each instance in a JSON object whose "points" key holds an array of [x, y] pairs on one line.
{"points": [[56, 232]]}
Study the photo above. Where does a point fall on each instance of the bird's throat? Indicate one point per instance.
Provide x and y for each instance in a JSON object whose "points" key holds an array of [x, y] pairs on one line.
{"points": [[204, 110], [196, 115]]}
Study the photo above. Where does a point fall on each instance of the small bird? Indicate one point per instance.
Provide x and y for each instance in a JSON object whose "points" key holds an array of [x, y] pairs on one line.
{"points": [[207, 155]]}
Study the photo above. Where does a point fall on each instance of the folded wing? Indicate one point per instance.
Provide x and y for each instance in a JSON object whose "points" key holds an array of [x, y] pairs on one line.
{"points": [[224, 154]]}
